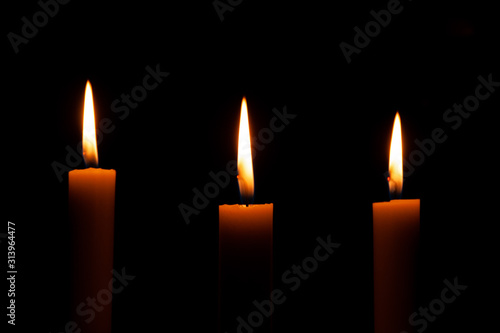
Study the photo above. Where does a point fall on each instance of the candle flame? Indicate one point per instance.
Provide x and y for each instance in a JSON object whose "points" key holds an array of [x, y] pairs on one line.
{"points": [[245, 167], [396, 159], [89, 142]]}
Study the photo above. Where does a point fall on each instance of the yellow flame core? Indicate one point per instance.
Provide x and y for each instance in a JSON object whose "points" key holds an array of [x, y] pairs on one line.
{"points": [[396, 159], [89, 142], [245, 167]]}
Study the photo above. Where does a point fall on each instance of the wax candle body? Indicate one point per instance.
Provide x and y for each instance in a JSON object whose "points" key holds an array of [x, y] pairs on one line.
{"points": [[92, 207], [396, 227], [245, 264]]}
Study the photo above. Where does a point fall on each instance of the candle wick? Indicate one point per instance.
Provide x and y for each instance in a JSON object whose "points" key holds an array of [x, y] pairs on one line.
{"points": [[394, 191], [392, 194]]}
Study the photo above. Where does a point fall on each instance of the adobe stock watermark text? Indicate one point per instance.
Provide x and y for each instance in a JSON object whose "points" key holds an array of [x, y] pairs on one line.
{"points": [[220, 180], [93, 304], [420, 319], [453, 117], [292, 280], [363, 37], [30, 27], [121, 106]]}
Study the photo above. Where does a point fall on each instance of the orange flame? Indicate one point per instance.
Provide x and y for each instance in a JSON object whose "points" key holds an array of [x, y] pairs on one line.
{"points": [[396, 159], [89, 142], [245, 167]]}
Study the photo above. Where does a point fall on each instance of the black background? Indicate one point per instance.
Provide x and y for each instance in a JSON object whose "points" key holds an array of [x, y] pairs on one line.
{"points": [[322, 172]]}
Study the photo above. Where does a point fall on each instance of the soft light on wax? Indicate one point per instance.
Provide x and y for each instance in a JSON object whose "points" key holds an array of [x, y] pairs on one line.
{"points": [[396, 227], [92, 208], [245, 245]]}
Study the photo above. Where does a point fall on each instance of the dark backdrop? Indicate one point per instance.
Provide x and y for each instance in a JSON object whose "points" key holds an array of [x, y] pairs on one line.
{"points": [[322, 172]]}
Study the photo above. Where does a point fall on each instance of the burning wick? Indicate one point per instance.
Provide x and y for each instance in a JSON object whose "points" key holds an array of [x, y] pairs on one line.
{"points": [[243, 185], [393, 192]]}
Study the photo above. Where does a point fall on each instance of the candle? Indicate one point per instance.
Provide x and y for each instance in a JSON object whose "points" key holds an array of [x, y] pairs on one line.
{"points": [[91, 207], [245, 248], [395, 237]]}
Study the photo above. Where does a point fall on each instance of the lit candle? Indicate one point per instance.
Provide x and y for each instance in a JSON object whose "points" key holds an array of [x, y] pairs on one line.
{"points": [[245, 247], [91, 207], [395, 237]]}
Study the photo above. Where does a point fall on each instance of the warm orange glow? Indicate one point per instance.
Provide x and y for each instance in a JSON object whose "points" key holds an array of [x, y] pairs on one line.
{"points": [[245, 167], [396, 159], [89, 142]]}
